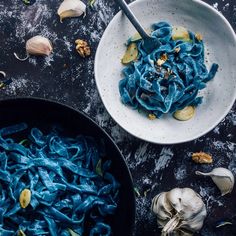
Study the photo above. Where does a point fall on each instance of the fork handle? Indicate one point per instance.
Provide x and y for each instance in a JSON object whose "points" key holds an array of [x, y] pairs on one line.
{"points": [[130, 15]]}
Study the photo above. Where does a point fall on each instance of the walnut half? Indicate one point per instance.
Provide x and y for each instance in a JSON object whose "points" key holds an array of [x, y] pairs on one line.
{"points": [[82, 48], [202, 158]]}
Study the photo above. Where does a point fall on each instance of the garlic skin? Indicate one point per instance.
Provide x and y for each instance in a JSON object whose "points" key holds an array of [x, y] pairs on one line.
{"points": [[180, 212], [71, 8], [39, 45], [222, 177], [3, 73]]}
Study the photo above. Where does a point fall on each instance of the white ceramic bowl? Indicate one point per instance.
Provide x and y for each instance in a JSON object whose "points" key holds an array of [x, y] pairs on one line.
{"points": [[220, 94]]}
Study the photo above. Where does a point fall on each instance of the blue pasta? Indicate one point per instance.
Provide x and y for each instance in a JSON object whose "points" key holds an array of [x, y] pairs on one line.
{"points": [[160, 88], [67, 192]]}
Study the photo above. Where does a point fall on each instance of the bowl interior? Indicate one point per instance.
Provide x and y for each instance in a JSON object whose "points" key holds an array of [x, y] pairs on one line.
{"points": [[220, 45], [43, 114]]}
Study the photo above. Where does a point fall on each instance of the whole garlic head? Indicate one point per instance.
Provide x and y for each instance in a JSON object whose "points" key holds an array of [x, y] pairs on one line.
{"points": [[180, 212]]}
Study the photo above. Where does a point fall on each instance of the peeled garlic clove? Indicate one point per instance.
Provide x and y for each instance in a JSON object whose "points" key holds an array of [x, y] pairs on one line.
{"points": [[39, 45], [222, 177], [185, 114], [71, 8]]}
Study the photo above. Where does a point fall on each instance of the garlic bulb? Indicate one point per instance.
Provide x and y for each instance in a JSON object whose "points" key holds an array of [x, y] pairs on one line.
{"points": [[71, 8], [180, 212], [38, 45], [222, 177]]}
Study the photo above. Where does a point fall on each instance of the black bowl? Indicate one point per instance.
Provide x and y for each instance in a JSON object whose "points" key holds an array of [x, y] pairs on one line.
{"points": [[43, 114]]}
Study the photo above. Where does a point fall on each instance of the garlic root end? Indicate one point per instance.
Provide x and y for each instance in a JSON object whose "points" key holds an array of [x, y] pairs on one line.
{"points": [[21, 59], [201, 173], [3, 73]]}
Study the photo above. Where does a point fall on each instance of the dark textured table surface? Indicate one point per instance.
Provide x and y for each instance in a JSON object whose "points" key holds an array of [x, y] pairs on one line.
{"points": [[66, 77]]}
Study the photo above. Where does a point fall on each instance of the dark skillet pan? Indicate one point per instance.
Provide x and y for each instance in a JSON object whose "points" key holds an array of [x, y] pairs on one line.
{"points": [[43, 114]]}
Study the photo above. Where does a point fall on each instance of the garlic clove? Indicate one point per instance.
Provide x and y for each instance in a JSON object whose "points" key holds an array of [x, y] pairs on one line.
{"points": [[71, 8], [39, 45], [175, 198], [187, 207], [161, 206], [222, 177], [196, 222]]}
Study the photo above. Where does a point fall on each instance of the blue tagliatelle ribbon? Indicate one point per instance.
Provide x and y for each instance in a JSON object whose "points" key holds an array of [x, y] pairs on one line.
{"points": [[173, 85], [68, 194]]}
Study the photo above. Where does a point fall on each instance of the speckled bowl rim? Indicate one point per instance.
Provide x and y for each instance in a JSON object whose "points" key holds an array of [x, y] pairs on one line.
{"points": [[211, 127]]}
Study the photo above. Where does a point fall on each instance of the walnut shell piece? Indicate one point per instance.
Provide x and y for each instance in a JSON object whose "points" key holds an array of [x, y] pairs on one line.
{"points": [[162, 59], [82, 48], [151, 117], [202, 158]]}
